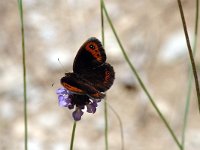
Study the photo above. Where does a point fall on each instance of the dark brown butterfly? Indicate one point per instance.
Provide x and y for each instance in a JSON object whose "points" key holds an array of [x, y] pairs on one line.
{"points": [[91, 75]]}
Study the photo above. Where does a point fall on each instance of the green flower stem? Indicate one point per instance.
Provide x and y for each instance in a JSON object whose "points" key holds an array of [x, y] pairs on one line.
{"points": [[102, 22], [121, 126], [106, 124], [190, 52], [72, 136], [20, 7], [105, 104], [189, 90], [140, 81]]}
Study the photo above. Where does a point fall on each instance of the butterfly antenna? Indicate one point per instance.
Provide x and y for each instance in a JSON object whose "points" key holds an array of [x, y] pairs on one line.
{"points": [[61, 65], [62, 69]]}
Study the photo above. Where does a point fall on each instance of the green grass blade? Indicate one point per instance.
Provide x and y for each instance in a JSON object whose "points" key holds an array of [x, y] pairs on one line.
{"points": [[102, 23], [120, 124], [105, 104], [20, 7], [189, 90], [106, 123], [140, 81], [190, 52]]}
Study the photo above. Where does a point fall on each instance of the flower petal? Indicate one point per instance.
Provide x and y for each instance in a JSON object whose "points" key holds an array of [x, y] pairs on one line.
{"points": [[94, 104], [71, 106], [91, 108], [62, 91], [63, 101], [77, 114]]}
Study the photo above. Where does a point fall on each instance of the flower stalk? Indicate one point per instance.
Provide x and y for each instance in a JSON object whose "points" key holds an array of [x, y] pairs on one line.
{"points": [[73, 136]]}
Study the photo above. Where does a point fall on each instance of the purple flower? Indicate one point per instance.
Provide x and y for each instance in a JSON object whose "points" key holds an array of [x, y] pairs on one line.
{"points": [[62, 91], [91, 108], [64, 98], [64, 101], [77, 114], [79, 102]]}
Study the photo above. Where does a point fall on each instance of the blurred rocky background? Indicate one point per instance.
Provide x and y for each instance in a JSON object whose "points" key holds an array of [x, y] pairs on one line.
{"points": [[152, 34]]}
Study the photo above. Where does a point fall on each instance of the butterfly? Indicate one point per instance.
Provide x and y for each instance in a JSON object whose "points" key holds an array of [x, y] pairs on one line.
{"points": [[92, 75]]}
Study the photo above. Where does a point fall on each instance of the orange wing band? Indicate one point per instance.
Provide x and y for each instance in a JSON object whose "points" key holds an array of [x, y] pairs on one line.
{"points": [[72, 88]]}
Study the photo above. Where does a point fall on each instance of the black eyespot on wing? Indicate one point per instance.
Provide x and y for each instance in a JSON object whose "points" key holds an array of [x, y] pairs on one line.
{"points": [[92, 47]]}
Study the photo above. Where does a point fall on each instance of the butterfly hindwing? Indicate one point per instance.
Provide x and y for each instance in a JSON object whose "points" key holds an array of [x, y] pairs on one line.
{"points": [[78, 85], [101, 77]]}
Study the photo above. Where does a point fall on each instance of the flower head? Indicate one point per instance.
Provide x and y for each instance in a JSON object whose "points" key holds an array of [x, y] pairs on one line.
{"points": [[79, 102]]}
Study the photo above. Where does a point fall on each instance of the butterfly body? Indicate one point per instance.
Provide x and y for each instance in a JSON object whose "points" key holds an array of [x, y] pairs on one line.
{"points": [[91, 75]]}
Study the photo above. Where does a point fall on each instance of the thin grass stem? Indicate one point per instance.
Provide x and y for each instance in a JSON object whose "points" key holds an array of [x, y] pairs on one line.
{"points": [[140, 81], [120, 124], [72, 136], [190, 52], [20, 7], [106, 124], [102, 23], [105, 104], [189, 90]]}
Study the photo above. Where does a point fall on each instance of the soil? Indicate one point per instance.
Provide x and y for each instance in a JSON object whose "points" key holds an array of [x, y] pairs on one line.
{"points": [[153, 37]]}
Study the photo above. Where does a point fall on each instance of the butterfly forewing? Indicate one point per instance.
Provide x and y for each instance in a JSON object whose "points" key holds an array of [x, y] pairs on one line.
{"points": [[90, 55]]}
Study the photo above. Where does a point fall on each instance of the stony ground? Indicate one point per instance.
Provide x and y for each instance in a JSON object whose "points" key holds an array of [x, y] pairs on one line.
{"points": [[151, 32]]}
